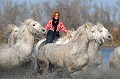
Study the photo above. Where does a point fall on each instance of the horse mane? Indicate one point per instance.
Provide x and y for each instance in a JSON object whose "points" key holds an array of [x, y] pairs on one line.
{"points": [[28, 21], [25, 23], [9, 29], [69, 34], [23, 26], [81, 30]]}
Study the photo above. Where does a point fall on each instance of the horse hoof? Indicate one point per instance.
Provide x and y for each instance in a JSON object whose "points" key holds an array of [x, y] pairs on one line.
{"points": [[40, 71]]}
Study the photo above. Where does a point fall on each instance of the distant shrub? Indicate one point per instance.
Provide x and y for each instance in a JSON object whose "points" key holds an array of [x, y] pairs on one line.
{"points": [[2, 37]]}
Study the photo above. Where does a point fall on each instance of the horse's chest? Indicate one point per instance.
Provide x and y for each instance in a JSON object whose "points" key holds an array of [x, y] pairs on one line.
{"points": [[56, 59]]}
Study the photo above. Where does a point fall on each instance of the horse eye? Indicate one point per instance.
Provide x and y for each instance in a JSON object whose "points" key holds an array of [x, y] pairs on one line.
{"points": [[33, 24], [100, 30]]}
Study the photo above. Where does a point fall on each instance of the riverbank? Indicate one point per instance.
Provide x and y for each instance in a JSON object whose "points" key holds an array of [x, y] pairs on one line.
{"points": [[107, 47]]}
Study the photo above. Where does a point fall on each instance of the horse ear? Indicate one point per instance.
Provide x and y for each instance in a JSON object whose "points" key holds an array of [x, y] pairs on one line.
{"points": [[100, 24], [86, 26], [72, 29], [28, 21]]}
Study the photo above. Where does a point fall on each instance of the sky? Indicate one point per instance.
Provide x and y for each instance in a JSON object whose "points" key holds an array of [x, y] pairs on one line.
{"points": [[110, 2], [104, 2]]}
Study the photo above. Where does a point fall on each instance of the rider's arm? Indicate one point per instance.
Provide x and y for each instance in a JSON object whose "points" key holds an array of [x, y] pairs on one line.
{"points": [[63, 27], [47, 27]]}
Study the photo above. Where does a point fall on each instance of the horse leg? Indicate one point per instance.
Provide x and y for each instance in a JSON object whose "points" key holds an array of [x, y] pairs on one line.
{"points": [[34, 60], [52, 68], [66, 72], [39, 68], [43, 66], [69, 70], [46, 67]]}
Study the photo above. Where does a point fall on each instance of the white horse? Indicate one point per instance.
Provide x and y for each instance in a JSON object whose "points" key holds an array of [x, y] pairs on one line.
{"points": [[21, 51], [13, 34], [114, 59], [72, 56], [95, 57]]}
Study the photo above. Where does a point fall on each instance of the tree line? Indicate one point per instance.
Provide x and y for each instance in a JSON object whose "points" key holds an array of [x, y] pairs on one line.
{"points": [[73, 13]]}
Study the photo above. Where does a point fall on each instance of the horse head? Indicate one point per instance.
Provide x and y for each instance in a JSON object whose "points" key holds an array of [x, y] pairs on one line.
{"points": [[34, 27], [93, 33], [104, 31]]}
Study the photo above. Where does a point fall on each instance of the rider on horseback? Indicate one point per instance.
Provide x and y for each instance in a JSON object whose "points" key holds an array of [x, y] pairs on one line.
{"points": [[53, 27]]}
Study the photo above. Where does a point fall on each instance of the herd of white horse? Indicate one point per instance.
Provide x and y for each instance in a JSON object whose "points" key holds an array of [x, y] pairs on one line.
{"points": [[78, 50]]}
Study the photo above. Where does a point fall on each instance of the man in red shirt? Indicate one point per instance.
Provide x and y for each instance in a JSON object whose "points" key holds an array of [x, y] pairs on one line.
{"points": [[53, 27]]}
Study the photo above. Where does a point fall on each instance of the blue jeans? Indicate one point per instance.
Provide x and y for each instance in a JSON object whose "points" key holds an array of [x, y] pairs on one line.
{"points": [[51, 35]]}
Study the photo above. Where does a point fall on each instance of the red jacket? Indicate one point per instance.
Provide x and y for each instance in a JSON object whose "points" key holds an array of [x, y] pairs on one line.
{"points": [[59, 27]]}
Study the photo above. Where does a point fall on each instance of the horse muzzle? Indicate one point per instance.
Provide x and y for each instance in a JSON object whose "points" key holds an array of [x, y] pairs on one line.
{"points": [[110, 38], [101, 41]]}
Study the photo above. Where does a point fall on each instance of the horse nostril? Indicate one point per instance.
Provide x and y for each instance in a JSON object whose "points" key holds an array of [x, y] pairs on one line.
{"points": [[43, 30], [109, 37], [102, 41]]}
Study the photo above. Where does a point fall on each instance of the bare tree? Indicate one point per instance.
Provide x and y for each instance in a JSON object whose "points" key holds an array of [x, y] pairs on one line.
{"points": [[73, 13]]}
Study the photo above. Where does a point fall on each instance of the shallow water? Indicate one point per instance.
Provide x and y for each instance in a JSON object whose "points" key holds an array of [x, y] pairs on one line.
{"points": [[26, 71], [106, 53]]}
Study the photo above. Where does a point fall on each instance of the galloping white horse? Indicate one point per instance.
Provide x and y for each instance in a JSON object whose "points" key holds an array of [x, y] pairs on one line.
{"points": [[95, 57], [114, 59], [21, 51], [72, 56]]}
